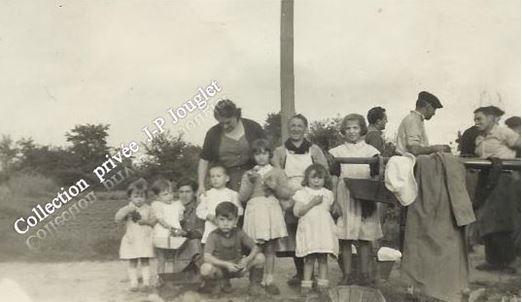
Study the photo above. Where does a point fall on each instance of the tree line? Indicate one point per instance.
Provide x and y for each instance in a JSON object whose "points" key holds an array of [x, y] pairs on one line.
{"points": [[167, 155]]}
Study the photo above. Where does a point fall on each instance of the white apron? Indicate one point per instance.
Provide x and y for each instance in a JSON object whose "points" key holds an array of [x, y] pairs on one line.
{"points": [[295, 166]]}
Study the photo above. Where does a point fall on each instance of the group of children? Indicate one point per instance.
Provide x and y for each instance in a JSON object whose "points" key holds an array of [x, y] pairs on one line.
{"points": [[230, 249]]}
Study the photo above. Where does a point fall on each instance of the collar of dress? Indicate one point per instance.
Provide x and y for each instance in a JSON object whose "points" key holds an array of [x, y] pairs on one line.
{"points": [[265, 169]]}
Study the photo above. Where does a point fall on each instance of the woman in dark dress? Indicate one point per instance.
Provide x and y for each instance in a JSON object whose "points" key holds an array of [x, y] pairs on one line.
{"points": [[228, 143]]}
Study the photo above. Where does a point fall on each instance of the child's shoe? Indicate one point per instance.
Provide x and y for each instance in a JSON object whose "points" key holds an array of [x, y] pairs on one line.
{"points": [[272, 289], [294, 281], [210, 287], [255, 276], [324, 294], [226, 287], [366, 280], [146, 289], [347, 280], [322, 288], [134, 288], [306, 288], [255, 290]]}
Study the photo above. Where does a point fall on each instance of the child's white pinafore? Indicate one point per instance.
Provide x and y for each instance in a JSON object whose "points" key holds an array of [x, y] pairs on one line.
{"points": [[316, 230], [351, 226], [172, 214], [263, 214], [137, 241]]}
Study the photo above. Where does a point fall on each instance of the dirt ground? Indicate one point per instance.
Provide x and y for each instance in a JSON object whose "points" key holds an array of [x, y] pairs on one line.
{"points": [[106, 281]]}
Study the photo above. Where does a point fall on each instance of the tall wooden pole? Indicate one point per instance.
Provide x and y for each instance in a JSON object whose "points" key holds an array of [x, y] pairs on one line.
{"points": [[287, 64]]}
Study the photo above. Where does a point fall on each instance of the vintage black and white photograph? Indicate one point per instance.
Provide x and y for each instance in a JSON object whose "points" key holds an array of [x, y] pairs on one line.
{"points": [[260, 150]]}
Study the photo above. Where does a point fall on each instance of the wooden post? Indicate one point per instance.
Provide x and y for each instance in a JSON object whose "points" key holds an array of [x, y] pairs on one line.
{"points": [[287, 65]]}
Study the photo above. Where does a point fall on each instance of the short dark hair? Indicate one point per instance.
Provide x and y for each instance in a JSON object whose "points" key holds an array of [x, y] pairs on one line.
{"points": [[513, 122], [320, 171], [490, 110], [354, 117], [140, 185], [188, 182], [226, 108], [218, 165], [261, 145], [375, 114], [161, 185], [227, 209], [301, 117]]}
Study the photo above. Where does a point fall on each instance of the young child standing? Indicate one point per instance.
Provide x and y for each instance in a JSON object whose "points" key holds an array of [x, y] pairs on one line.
{"points": [[360, 222], [219, 193], [316, 231], [136, 245], [264, 220], [167, 231], [230, 253]]}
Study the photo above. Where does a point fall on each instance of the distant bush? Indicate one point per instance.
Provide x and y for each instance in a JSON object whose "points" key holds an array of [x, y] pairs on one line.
{"points": [[31, 184]]}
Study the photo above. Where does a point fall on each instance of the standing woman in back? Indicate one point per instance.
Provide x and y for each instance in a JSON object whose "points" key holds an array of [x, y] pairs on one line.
{"points": [[294, 157], [228, 143]]}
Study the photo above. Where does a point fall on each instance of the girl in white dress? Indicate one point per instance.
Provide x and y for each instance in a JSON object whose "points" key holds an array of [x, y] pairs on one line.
{"points": [[168, 233], [136, 245], [261, 187], [316, 236], [359, 223]]}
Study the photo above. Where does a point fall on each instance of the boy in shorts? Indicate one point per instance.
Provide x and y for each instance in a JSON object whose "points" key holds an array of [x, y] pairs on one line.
{"points": [[230, 253]]}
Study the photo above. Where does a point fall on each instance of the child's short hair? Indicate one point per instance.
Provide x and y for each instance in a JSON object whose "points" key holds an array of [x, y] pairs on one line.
{"points": [[319, 171], [261, 145], [227, 209], [188, 182], [140, 185], [161, 185], [354, 117], [218, 165]]}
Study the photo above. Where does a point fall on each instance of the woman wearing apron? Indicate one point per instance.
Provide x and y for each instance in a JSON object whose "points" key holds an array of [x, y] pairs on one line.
{"points": [[294, 157], [229, 144]]}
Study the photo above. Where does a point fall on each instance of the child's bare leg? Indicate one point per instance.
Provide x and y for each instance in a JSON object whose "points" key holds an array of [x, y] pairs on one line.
{"points": [[322, 281], [133, 273], [161, 261], [322, 259], [270, 248], [306, 284], [347, 256], [145, 271], [309, 261], [365, 250]]}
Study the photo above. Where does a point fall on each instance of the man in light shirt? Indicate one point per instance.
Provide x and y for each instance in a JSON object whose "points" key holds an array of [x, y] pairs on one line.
{"points": [[494, 140], [411, 136]]}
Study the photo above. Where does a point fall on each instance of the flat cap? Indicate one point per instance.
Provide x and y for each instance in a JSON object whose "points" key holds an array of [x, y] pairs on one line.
{"points": [[430, 98]]}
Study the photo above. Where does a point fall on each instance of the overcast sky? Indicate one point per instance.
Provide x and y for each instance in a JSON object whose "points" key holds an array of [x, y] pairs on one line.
{"points": [[125, 62]]}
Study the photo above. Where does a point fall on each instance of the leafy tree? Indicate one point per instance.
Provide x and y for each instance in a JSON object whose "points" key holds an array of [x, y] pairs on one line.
{"points": [[170, 157], [326, 133], [54, 162], [89, 143], [8, 156], [272, 128]]}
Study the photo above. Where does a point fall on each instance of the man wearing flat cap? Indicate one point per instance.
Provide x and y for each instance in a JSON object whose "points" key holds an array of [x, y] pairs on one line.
{"points": [[411, 136]]}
